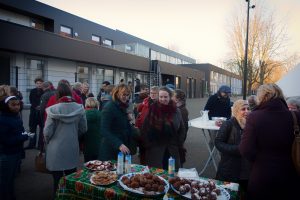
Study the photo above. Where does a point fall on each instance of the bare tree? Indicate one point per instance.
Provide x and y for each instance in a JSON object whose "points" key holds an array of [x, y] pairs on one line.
{"points": [[267, 39]]}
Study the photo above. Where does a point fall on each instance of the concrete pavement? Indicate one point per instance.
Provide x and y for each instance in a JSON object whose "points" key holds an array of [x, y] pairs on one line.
{"points": [[31, 185]]}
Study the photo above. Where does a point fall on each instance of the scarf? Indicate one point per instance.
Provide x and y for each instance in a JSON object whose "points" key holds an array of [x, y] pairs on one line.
{"points": [[159, 125]]}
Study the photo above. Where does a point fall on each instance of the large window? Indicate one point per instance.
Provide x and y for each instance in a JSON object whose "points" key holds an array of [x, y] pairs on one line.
{"points": [[66, 31], [109, 75]]}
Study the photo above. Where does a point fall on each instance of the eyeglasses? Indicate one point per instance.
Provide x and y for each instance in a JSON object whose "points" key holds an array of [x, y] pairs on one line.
{"points": [[244, 109]]}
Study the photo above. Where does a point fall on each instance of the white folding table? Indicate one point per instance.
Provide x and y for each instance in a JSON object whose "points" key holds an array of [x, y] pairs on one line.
{"points": [[206, 127]]}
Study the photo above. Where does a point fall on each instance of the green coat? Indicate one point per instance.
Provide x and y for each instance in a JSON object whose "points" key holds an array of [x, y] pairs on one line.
{"points": [[92, 138], [115, 130]]}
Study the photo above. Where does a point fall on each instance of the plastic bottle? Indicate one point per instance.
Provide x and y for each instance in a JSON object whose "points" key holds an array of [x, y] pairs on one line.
{"points": [[120, 164], [128, 163], [171, 167]]}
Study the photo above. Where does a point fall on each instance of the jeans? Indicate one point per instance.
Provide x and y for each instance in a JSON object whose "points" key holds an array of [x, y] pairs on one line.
{"points": [[8, 170]]}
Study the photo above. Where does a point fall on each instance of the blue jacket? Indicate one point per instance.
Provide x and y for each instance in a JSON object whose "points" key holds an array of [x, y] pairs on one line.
{"points": [[11, 129]]}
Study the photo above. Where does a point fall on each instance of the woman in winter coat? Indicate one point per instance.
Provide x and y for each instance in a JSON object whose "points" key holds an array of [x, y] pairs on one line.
{"points": [[116, 131], [12, 136], [92, 138], [233, 167], [179, 98], [267, 143], [65, 122], [163, 131]]}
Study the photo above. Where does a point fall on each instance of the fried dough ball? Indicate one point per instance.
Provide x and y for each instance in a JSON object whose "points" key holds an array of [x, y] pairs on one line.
{"points": [[161, 188], [126, 182], [176, 185], [124, 178], [148, 187], [154, 187], [134, 184]]}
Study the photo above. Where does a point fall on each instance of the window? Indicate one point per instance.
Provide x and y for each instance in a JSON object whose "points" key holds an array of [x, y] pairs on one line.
{"points": [[66, 31], [96, 39], [37, 24], [107, 42], [82, 74]]}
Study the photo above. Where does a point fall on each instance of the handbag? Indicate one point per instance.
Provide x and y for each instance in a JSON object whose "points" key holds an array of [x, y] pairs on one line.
{"points": [[296, 145], [40, 163]]}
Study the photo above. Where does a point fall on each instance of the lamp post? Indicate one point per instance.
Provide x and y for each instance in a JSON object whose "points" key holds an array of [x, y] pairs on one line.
{"points": [[246, 52]]}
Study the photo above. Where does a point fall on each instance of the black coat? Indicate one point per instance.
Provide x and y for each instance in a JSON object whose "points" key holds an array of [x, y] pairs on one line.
{"points": [[218, 106], [232, 166], [267, 142]]}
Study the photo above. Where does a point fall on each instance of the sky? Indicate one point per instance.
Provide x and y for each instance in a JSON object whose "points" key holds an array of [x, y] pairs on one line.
{"points": [[195, 28]]}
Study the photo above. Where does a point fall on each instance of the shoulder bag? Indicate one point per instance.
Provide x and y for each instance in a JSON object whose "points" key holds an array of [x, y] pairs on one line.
{"points": [[296, 145]]}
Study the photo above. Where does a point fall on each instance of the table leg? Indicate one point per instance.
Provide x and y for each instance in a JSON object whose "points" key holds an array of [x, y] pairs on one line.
{"points": [[211, 152]]}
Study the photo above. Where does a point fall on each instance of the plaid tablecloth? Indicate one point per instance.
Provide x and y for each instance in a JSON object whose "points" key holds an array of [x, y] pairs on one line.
{"points": [[78, 186]]}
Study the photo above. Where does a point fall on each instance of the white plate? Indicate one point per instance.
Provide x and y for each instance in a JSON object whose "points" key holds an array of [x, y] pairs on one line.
{"points": [[92, 181], [98, 163], [223, 196], [139, 191]]}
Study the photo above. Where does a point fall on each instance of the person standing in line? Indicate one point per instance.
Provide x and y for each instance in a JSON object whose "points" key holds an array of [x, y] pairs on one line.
{"points": [[267, 143], [92, 138], [179, 98], [65, 122], [34, 116], [233, 167], [143, 110], [12, 137], [163, 131]]}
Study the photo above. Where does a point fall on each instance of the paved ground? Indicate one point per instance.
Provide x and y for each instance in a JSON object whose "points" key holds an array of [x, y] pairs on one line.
{"points": [[31, 185]]}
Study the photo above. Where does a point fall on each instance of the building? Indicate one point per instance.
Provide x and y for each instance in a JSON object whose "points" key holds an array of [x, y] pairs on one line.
{"points": [[38, 40], [215, 77]]}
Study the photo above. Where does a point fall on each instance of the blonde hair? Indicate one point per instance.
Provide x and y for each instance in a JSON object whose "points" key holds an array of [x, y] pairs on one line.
{"points": [[91, 102], [4, 91], [121, 88], [267, 92], [237, 106]]}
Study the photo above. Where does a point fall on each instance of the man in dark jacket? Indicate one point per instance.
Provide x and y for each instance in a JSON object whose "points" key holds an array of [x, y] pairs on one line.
{"points": [[34, 116], [218, 105]]}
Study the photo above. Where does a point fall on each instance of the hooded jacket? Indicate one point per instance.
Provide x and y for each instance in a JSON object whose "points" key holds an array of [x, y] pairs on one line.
{"points": [[64, 124]]}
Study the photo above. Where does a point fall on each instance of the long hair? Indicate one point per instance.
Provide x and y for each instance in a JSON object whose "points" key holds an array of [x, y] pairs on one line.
{"points": [[63, 89]]}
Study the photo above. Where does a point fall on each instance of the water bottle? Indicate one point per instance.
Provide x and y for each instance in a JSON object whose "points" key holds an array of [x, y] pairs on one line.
{"points": [[171, 168], [128, 163], [120, 164]]}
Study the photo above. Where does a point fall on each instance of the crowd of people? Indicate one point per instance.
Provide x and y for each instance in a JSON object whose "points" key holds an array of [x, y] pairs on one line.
{"points": [[254, 142], [68, 119]]}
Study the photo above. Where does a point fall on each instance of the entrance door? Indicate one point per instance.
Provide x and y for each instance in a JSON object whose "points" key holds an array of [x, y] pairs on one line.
{"points": [[5, 70]]}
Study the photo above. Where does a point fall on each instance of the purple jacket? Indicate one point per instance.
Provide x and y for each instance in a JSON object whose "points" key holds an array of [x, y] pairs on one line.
{"points": [[267, 142]]}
